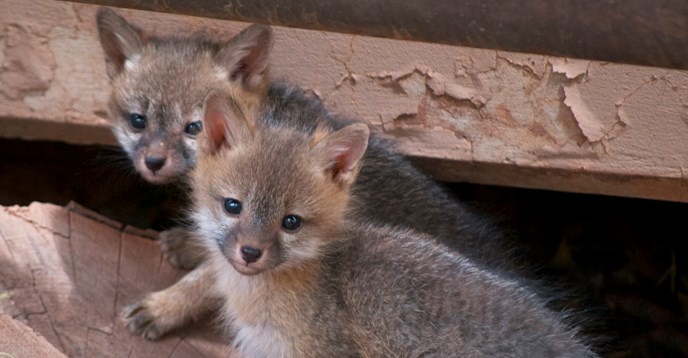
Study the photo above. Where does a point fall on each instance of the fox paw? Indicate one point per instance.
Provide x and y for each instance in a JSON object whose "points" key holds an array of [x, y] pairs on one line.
{"points": [[180, 249], [140, 318]]}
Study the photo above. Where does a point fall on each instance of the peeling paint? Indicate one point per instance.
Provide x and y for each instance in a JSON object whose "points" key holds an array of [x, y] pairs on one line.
{"points": [[397, 75], [622, 121], [441, 86], [534, 65], [27, 64], [413, 85], [74, 85], [3, 46], [437, 142], [571, 68], [475, 61], [347, 77], [592, 127], [566, 152]]}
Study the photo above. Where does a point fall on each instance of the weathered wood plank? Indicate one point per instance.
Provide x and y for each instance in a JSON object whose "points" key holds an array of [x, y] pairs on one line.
{"points": [[464, 114], [67, 273]]}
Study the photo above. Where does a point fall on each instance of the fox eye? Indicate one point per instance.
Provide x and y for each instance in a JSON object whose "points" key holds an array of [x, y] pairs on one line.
{"points": [[232, 206], [193, 128], [291, 222], [138, 121]]}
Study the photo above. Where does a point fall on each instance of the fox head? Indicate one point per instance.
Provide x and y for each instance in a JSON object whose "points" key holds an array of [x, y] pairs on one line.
{"points": [[270, 197], [159, 84]]}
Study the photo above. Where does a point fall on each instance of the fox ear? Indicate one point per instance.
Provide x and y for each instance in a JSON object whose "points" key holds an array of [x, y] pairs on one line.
{"points": [[339, 153], [221, 124], [120, 40], [247, 55]]}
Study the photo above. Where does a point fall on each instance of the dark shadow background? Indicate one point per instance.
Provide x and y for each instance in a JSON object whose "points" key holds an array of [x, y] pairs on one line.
{"points": [[627, 257]]}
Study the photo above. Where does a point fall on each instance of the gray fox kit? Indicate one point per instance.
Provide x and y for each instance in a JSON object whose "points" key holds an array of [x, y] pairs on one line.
{"points": [[300, 277], [158, 87]]}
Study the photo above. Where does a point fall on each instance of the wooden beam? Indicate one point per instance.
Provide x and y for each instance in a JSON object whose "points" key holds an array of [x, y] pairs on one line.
{"points": [[463, 114], [652, 33]]}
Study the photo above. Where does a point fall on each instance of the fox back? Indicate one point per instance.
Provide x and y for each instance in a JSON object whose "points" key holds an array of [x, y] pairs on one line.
{"points": [[390, 190], [303, 277]]}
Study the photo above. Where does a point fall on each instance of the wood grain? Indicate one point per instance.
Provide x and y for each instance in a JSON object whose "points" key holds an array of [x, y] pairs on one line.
{"points": [[66, 273]]}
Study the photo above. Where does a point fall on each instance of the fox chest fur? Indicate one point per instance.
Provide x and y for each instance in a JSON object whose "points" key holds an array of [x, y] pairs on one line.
{"points": [[282, 314]]}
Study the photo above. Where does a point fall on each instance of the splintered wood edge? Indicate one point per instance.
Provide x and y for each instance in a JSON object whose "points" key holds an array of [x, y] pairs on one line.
{"points": [[19, 340], [83, 211], [132, 230]]}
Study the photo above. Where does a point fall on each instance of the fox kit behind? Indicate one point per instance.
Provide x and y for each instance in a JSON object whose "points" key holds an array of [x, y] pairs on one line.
{"points": [[158, 87], [300, 278]]}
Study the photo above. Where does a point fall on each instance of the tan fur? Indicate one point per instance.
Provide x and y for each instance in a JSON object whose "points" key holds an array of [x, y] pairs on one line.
{"points": [[180, 248], [173, 307]]}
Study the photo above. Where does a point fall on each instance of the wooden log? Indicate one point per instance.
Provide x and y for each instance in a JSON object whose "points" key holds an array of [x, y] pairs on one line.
{"points": [[67, 272]]}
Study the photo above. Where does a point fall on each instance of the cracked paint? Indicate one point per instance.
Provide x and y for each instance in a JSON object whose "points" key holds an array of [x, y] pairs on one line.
{"points": [[475, 61], [592, 127], [571, 68], [534, 65], [441, 86], [511, 110], [27, 65]]}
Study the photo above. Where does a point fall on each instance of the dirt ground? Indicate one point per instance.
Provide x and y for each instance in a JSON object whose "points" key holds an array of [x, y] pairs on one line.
{"points": [[625, 258]]}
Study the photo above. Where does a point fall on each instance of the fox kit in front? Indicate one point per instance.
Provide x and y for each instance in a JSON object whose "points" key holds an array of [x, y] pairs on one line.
{"points": [[299, 277]]}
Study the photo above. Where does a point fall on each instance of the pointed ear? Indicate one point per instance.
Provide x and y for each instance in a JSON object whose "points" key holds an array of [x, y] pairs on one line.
{"points": [[120, 40], [340, 152], [247, 55], [221, 124]]}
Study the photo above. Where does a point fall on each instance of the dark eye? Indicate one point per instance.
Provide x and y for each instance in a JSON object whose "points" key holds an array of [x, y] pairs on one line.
{"points": [[232, 206], [291, 222], [138, 121], [193, 128]]}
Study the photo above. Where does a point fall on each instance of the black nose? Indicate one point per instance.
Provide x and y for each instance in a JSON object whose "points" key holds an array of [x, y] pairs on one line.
{"points": [[155, 163], [250, 254]]}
